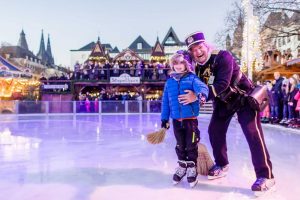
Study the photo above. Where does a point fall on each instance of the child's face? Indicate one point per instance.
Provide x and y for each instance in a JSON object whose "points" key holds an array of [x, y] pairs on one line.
{"points": [[179, 68]]}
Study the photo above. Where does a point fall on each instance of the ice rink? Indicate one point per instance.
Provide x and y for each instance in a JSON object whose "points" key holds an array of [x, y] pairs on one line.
{"points": [[107, 158]]}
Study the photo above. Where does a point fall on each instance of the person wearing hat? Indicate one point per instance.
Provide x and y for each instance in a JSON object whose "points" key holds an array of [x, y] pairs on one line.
{"points": [[185, 123], [222, 75]]}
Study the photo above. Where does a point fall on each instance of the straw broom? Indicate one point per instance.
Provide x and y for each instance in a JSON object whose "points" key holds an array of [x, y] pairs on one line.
{"points": [[204, 161], [157, 137]]}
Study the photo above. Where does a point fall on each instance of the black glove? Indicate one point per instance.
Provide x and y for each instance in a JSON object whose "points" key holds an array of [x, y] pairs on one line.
{"points": [[165, 124]]}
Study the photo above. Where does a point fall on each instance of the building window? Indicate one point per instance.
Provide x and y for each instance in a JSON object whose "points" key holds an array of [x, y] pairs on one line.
{"points": [[139, 46], [299, 36], [170, 40], [275, 57], [288, 39], [283, 41]]}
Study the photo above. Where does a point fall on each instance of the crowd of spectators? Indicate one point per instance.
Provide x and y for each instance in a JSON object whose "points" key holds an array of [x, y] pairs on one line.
{"points": [[90, 103], [91, 70], [284, 104]]}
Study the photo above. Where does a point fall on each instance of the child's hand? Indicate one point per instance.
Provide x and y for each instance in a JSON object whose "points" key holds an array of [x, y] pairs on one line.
{"points": [[202, 100], [165, 124]]}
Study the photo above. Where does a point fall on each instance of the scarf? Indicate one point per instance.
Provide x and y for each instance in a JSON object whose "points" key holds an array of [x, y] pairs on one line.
{"points": [[177, 76]]}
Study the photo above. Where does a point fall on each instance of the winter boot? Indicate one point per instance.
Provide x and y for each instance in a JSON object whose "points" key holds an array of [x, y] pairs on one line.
{"points": [[180, 172], [283, 121], [192, 173], [263, 185], [217, 172]]}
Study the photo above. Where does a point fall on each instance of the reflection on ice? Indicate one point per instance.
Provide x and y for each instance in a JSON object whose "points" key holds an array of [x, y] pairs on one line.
{"points": [[10, 144], [107, 157]]}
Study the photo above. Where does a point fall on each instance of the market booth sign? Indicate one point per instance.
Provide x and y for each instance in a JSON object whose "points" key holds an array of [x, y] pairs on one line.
{"points": [[65, 86], [125, 79]]}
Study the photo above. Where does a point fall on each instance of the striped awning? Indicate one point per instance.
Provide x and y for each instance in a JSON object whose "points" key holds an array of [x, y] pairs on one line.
{"points": [[5, 65]]}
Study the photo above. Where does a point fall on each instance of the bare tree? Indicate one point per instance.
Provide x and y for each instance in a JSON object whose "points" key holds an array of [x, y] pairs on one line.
{"points": [[264, 8], [4, 44], [231, 23]]}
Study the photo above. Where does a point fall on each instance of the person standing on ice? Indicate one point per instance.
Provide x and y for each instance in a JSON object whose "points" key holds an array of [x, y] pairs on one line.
{"points": [[185, 123], [220, 71]]}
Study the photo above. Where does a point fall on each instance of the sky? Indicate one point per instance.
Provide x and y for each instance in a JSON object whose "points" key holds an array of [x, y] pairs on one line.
{"points": [[73, 24]]}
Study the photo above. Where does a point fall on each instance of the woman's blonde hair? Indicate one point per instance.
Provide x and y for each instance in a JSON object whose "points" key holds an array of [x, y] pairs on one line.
{"points": [[293, 83], [296, 76], [179, 59]]}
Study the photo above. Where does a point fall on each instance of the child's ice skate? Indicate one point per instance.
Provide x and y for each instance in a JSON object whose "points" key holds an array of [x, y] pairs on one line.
{"points": [[192, 173], [180, 172]]}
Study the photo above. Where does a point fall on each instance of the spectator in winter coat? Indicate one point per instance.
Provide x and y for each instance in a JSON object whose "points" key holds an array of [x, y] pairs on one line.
{"points": [[185, 123], [277, 96], [269, 110], [291, 100], [297, 97], [285, 93]]}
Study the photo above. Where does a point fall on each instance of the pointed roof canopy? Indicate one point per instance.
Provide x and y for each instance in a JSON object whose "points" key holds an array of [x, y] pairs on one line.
{"points": [[22, 41], [140, 45], [98, 53], [128, 55], [171, 39], [276, 19], [92, 45], [87, 47], [158, 53], [115, 50], [295, 18]]}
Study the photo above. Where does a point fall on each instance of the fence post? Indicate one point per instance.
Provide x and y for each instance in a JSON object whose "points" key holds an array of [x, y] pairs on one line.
{"points": [[140, 106], [47, 107], [74, 107], [126, 106], [100, 106], [17, 106], [148, 106]]}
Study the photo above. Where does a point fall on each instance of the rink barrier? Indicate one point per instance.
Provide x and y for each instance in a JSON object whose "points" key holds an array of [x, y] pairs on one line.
{"points": [[85, 107]]}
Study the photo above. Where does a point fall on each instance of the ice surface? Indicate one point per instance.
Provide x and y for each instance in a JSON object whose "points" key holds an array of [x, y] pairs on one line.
{"points": [[107, 158]]}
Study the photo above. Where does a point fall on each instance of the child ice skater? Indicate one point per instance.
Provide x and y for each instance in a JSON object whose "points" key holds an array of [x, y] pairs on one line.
{"points": [[185, 123]]}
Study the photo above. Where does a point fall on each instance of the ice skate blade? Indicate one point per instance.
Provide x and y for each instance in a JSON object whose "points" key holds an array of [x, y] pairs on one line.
{"points": [[262, 193], [193, 184], [176, 182], [216, 177]]}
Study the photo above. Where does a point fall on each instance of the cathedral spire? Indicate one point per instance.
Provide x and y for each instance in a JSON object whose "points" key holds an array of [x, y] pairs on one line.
{"points": [[48, 51], [228, 43], [22, 41], [42, 52]]}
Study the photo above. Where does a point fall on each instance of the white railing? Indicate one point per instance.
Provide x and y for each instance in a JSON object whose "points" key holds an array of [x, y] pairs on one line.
{"points": [[85, 107]]}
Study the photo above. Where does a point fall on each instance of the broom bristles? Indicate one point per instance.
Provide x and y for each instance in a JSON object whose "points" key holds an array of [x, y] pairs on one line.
{"points": [[157, 136], [204, 161]]}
